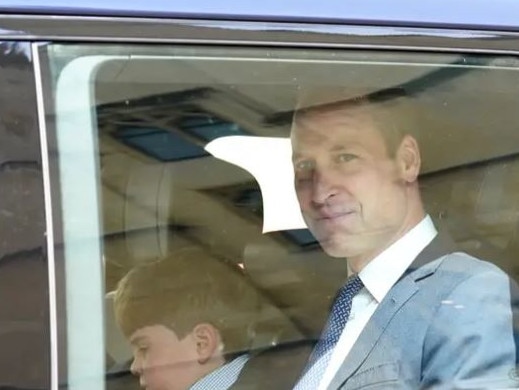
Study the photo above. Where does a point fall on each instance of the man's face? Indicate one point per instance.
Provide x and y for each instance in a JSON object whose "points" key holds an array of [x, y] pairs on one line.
{"points": [[353, 196], [162, 360]]}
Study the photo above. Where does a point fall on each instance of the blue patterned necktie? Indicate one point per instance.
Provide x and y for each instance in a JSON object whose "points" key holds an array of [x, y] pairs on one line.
{"points": [[339, 314]]}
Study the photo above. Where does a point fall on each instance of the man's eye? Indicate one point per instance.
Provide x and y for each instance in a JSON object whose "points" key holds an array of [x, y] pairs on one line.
{"points": [[345, 157], [303, 165]]}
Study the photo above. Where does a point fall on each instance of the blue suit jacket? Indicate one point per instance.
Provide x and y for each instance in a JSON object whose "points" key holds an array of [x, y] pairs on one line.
{"points": [[446, 324]]}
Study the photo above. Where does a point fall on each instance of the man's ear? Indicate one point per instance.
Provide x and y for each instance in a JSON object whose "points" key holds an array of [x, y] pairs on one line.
{"points": [[208, 342], [408, 157]]}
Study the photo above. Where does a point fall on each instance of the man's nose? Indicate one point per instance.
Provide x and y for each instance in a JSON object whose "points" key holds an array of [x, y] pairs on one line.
{"points": [[323, 187]]}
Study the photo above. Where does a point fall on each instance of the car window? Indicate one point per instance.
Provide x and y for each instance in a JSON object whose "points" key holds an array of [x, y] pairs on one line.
{"points": [[163, 149]]}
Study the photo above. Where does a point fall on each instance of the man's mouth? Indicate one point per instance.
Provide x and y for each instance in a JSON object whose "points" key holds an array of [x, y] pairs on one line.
{"points": [[326, 216]]}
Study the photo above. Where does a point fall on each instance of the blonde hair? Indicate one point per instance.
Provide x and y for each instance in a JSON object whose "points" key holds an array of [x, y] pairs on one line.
{"points": [[188, 288]]}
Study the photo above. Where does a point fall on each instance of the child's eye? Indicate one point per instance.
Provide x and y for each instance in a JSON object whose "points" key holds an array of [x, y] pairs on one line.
{"points": [[141, 349]]}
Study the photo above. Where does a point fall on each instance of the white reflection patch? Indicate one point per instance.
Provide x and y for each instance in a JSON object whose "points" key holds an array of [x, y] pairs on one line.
{"points": [[268, 159]]}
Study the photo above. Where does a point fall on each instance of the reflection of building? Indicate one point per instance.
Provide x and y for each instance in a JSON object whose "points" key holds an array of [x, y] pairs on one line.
{"points": [[166, 135]]}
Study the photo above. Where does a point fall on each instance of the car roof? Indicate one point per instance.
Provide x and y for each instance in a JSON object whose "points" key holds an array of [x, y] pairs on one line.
{"points": [[472, 14]]}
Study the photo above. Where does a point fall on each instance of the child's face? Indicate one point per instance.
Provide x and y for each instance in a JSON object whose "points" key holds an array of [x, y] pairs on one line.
{"points": [[162, 360]]}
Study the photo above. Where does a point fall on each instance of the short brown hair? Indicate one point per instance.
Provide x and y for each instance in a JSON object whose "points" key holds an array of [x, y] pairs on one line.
{"points": [[391, 109], [187, 288]]}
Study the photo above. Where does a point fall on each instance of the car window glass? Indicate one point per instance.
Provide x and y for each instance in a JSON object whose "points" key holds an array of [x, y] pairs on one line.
{"points": [[164, 149]]}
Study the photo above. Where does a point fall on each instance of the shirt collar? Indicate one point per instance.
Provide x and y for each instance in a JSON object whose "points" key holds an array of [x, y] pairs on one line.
{"points": [[223, 377], [380, 274]]}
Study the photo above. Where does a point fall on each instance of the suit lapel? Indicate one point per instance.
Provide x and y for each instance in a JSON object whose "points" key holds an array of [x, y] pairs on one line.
{"points": [[441, 245], [399, 294]]}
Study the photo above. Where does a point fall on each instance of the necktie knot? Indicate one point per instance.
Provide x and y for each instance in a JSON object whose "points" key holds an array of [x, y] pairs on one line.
{"points": [[341, 309], [347, 292]]}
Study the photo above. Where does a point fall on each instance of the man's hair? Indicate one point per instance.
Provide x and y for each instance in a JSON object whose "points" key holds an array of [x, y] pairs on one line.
{"points": [[391, 110], [188, 288]]}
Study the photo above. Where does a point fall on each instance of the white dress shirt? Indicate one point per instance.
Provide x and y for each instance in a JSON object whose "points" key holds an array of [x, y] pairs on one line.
{"points": [[378, 276]]}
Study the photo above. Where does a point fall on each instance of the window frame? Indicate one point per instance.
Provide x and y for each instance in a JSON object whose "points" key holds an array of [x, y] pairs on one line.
{"points": [[118, 30]]}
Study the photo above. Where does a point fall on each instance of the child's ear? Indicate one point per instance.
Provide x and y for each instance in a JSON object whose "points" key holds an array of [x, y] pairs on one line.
{"points": [[409, 161], [208, 342]]}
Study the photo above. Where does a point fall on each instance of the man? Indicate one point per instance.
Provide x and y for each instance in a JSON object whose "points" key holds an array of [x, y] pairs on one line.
{"points": [[190, 320], [420, 315]]}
